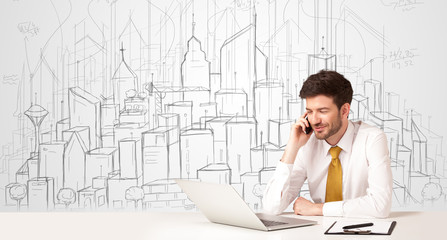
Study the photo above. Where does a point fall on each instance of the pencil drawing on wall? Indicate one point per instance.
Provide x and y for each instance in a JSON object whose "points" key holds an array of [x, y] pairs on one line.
{"points": [[109, 100]]}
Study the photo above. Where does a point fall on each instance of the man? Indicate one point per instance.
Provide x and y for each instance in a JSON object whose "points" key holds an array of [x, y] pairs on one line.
{"points": [[346, 164]]}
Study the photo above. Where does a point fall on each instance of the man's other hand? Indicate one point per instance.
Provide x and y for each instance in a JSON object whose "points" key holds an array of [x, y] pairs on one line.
{"points": [[305, 207]]}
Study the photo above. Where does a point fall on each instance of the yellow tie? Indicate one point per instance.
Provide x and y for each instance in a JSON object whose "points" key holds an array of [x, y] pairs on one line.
{"points": [[334, 177]]}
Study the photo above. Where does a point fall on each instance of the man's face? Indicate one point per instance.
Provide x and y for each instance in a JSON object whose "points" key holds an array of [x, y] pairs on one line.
{"points": [[324, 116]]}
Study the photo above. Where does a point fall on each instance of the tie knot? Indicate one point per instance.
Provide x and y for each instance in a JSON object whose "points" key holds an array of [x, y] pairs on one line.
{"points": [[335, 151]]}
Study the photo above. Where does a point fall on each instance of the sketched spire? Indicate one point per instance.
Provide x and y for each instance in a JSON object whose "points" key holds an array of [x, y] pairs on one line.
{"points": [[323, 51], [193, 22], [124, 79], [122, 51], [254, 14], [193, 25]]}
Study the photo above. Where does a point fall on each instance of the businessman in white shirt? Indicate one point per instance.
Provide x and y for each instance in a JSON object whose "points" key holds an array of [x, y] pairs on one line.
{"points": [[345, 163]]}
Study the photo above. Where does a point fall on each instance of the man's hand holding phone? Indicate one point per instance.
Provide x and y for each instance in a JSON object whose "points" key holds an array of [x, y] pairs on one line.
{"points": [[299, 135], [308, 128]]}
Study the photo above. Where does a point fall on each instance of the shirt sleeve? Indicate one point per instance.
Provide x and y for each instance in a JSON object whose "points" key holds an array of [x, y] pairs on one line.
{"points": [[377, 201], [284, 186], [333, 209]]}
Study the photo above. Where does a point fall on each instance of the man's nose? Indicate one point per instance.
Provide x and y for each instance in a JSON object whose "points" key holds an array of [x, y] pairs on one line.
{"points": [[315, 119]]}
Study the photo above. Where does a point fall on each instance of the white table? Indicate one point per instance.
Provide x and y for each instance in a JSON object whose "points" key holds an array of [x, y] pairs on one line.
{"points": [[193, 225]]}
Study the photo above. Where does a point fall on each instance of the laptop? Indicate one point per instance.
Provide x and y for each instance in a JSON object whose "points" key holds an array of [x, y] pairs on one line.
{"points": [[220, 203]]}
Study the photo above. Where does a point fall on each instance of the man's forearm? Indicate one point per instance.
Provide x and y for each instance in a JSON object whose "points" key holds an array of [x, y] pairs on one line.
{"points": [[297, 139], [290, 153], [303, 206], [273, 199]]}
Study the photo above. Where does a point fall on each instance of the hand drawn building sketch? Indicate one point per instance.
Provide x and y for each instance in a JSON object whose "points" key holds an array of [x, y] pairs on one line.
{"points": [[105, 102]]}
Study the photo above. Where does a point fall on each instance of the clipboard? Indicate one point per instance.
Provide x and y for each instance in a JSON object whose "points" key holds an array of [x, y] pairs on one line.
{"points": [[334, 229]]}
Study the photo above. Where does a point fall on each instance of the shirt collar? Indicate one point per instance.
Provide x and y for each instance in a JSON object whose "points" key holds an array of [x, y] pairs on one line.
{"points": [[345, 142]]}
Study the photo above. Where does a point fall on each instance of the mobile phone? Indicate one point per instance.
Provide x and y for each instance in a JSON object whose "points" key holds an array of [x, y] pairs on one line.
{"points": [[308, 129]]}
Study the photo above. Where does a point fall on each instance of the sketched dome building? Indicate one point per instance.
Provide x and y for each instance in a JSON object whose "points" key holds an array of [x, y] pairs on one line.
{"points": [[123, 80]]}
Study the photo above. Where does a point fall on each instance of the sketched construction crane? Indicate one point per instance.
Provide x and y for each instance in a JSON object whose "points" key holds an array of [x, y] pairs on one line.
{"points": [[158, 98]]}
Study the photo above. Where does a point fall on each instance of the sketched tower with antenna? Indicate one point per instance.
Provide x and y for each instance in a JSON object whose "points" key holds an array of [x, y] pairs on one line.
{"points": [[322, 60], [36, 114], [123, 80], [242, 64], [195, 68]]}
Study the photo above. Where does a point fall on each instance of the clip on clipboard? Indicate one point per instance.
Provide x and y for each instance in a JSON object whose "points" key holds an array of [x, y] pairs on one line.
{"points": [[378, 228]]}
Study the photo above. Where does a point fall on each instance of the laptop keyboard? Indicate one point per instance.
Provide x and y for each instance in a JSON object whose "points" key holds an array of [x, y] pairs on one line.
{"points": [[269, 223]]}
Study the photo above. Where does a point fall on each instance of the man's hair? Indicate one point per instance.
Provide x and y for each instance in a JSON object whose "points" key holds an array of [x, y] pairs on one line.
{"points": [[328, 83]]}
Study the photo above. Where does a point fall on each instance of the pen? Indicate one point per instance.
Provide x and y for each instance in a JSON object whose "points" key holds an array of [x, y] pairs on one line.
{"points": [[358, 225], [357, 232]]}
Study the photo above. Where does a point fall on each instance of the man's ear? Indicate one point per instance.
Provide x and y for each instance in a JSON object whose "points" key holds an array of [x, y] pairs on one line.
{"points": [[345, 109]]}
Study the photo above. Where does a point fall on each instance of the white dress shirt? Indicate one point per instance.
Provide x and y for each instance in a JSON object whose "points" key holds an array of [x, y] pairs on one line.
{"points": [[367, 178]]}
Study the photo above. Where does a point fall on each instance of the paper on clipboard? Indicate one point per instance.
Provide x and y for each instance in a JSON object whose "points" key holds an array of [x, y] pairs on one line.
{"points": [[379, 227]]}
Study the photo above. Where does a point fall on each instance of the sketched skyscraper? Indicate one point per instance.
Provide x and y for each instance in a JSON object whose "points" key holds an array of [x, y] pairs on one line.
{"points": [[74, 162], [130, 162], [195, 68], [40, 194], [85, 111], [243, 63], [124, 79]]}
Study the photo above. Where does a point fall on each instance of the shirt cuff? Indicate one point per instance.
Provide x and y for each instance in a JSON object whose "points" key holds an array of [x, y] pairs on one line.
{"points": [[333, 209]]}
